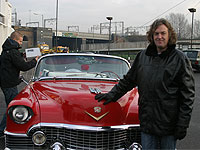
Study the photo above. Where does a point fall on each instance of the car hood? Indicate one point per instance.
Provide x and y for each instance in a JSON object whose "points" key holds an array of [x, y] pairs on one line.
{"points": [[72, 102]]}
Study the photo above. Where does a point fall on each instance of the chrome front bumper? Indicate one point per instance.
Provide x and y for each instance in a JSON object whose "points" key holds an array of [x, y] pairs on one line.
{"points": [[72, 137]]}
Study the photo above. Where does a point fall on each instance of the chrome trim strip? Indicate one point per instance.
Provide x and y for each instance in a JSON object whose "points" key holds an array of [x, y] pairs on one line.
{"points": [[79, 78], [75, 127], [81, 127], [15, 134]]}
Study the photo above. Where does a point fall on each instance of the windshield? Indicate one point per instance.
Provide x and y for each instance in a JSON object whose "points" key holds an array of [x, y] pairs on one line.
{"points": [[191, 54], [81, 66], [61, 49], [45, 47]]}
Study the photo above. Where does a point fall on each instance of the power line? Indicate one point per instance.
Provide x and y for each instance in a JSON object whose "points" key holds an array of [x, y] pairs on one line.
{"points": [[194, 6], [164, 12], [197, 4]]}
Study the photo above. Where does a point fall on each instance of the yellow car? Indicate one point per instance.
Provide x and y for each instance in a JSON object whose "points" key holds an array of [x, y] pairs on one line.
{"points": [[44, 48], [61, 49]]}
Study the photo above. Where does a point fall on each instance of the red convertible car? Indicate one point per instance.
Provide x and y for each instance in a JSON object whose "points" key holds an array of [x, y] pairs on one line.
{"points": [[57, 109]]}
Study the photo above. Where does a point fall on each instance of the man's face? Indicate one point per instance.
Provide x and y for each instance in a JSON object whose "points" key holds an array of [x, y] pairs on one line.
{"points": [[161, 38], [19, 40]]}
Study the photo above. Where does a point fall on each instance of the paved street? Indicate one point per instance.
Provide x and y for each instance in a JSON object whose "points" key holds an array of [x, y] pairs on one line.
{"points": [[190, 142]]}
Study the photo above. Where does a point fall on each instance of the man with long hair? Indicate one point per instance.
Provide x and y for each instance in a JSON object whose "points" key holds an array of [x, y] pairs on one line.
{"points": [[166, 90]]}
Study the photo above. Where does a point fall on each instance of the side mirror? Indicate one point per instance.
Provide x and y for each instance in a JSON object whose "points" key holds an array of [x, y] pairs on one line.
{"points": [[23, 79]]}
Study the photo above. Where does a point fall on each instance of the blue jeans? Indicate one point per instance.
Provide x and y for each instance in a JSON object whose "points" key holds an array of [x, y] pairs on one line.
{"points": [[151, 142], [9, 94]]}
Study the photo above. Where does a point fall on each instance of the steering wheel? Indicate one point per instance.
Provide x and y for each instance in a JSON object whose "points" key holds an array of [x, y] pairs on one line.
{"points": [[111, 74]]}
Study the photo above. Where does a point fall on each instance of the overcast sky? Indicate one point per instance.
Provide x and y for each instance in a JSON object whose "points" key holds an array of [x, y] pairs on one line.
{"points": [[86, 13]]}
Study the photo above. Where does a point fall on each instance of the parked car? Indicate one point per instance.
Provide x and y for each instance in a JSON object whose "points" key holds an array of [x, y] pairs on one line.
{"points": [[44, 48], [194, 56], [57, 109]]}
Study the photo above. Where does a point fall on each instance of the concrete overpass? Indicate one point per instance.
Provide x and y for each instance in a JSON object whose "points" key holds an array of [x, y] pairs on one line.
{"points": [[81, 35], [95, 41], [74, 40]]}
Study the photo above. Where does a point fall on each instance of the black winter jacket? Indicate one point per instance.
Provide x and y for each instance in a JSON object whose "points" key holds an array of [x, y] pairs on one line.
{"points": [[166, 90], [12, 63]]}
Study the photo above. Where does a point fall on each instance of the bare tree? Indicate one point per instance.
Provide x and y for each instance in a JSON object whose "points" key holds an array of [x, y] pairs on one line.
{"points": [[196, 29], [180, 24], [187, 32]]}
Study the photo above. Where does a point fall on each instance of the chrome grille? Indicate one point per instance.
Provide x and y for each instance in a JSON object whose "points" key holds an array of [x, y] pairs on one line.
{"points": [[74, 139], [21, 143]]}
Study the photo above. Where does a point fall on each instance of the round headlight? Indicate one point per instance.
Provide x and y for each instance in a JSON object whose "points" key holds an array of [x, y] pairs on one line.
{"points": [[135, 146], [20, 114], [39, 138]]}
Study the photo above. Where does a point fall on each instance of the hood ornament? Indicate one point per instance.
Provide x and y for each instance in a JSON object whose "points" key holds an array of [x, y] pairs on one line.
{"points": [[95, 90], [96, 118], [97, 109]]}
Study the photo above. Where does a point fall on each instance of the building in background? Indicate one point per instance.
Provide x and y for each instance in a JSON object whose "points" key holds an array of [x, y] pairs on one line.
{"points": [[5, 21], [34, 36]]}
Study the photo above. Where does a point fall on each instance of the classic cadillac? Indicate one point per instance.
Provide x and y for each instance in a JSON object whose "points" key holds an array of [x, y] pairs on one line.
{"points": [[57, 109]]}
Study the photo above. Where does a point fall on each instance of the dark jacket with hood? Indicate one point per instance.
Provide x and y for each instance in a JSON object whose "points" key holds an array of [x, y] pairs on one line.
{"points": [[12, 63], [166, 89]]}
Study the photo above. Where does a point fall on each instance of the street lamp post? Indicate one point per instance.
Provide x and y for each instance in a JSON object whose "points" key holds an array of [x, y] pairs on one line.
{"points": [[42, 18], [110, 19], [192, 10]]}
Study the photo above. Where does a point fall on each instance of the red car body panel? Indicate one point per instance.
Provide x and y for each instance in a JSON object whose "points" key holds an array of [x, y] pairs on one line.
{"points": [[68, 101]]}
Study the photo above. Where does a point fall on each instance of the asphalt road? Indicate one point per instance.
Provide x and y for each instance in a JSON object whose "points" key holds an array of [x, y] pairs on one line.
{"points": [[191, 141]]}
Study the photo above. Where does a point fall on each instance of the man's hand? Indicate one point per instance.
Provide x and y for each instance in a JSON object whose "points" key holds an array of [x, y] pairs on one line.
{"points": [[180, 133], [106, 97], [37, 57]]}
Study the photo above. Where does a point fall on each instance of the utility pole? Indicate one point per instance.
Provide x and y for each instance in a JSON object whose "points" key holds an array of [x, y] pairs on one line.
{"points": [[15, 17], [32, 23], [119, 27], [42, 18], [76, 29], [56, 25], [51, 19]]}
